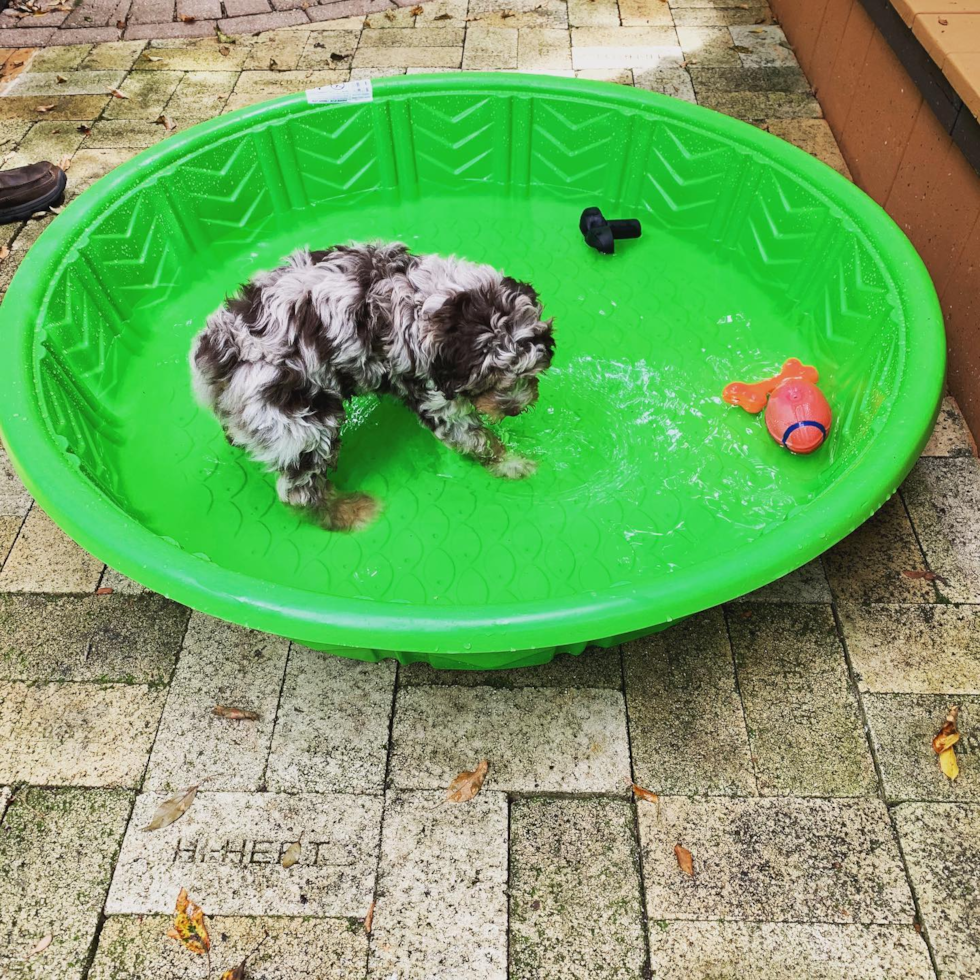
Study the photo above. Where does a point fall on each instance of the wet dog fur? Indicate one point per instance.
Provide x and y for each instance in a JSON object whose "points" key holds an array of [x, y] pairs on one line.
{"points": [[460, 344]]}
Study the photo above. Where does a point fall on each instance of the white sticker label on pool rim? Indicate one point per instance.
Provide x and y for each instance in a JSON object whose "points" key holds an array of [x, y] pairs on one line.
{"points": [[357, 91]]}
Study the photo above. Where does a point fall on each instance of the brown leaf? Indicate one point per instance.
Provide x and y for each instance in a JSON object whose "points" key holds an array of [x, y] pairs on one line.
{"points": [[943, 744], [189, 928], [41, 946], [644, 794], [224, 50], [234, 714], [116, 94], [920, 573], [65, 162], [60, 79], [338, 57], [292, 854], [467, 784], [684, 860], [105, 590], [83, 129], [167, 123], [45, 108], [4, 252], [172, 809], [943, 21], [443, 17], [369, 919], [235, 973], [121, 25], [187, 18], [416, 11]]}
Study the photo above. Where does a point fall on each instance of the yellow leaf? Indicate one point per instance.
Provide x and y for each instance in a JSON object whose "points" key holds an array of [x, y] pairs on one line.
{"points": [[467, 784], [948, 764], [292, 854], [644, 794], [4, 252], [684, 860], [235, 973], [189, 928], [172, 809]]}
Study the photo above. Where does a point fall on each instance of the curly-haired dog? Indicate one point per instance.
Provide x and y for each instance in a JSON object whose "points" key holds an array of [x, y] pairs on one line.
{"points": [[458, 343]]}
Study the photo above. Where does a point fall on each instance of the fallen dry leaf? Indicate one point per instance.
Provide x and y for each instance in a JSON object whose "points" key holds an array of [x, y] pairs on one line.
{"points": [[684, 860], [189, 928], [4, 252], [60, 79], [116, 94], [292, 854], [224, 50], [943, 21], [167, 123], [173, 809], [105, 590], [338, 57], [45, 108], [121, 25], [416, 11], [238, 972], [83, 129], [644, 794], [65, 162], [467, 784], [369, 919], [41, 946], [150, 57], [757, 30], [234, 714], [919, 573], [187, 18], [943, 744], [447, 16]]}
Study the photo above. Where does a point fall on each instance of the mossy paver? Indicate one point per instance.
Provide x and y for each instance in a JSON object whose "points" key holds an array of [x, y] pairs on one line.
{"points": [[441, 909], [220, 664], [332, 725], [57, 848], [536, 740], [941, 843], [575, 897]]}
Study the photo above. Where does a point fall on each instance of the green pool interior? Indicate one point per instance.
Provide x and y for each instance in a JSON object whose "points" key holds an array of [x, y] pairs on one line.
{"points": [[642, 467]]}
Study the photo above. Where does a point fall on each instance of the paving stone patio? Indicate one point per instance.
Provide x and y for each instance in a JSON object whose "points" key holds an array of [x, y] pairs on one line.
{"points": [[788, 734]]}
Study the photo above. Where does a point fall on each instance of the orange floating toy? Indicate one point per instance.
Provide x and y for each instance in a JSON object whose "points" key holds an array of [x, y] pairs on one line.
{"points": [[797, 414]]}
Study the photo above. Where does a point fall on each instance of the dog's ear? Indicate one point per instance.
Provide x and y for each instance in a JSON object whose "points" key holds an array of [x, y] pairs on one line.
{"points": [[452, 340], [523, 288]]}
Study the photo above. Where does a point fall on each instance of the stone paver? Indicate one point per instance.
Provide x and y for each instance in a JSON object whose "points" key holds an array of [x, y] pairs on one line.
{"points": [[441, 909], [814, 136], [147, 94], [778, 951], [332, 725], [77, 734], [226, 851], [774, 860], [687, 727], [592, 668], [902, 728], [41, 83], [45, 559], [867, 566], [575, 896], [807, 740], [536, 740], [139, 949], [200, 95], [951, 437], [630, 47], [941, 843], [943, 497], [89, 638], [762, 47], [220, 664], [920, 649], [806, 584], [57, 848]]}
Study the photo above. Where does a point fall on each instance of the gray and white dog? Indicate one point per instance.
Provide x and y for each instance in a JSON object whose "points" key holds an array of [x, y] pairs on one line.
{"points": [[460, 344]]}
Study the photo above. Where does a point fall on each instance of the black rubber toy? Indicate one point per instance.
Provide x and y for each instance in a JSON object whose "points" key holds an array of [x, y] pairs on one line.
{"points": [[601, 234]]}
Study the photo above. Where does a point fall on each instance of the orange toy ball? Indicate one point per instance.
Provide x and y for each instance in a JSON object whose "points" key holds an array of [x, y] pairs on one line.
{"points": [[798, 416]]}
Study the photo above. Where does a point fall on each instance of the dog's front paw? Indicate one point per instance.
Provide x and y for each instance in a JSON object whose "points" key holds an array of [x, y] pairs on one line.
{"points": [[512, 466], [350, 512]]}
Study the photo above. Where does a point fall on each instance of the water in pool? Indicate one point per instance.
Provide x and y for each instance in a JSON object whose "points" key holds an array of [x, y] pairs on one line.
{"points": [[642, 467]]}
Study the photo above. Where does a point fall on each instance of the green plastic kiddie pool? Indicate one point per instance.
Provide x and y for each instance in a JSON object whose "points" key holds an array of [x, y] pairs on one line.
{"points": [[653, 498]]}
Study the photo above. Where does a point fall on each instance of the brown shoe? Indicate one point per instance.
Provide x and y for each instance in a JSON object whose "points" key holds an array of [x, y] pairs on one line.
{"points": [[25, 190]]}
